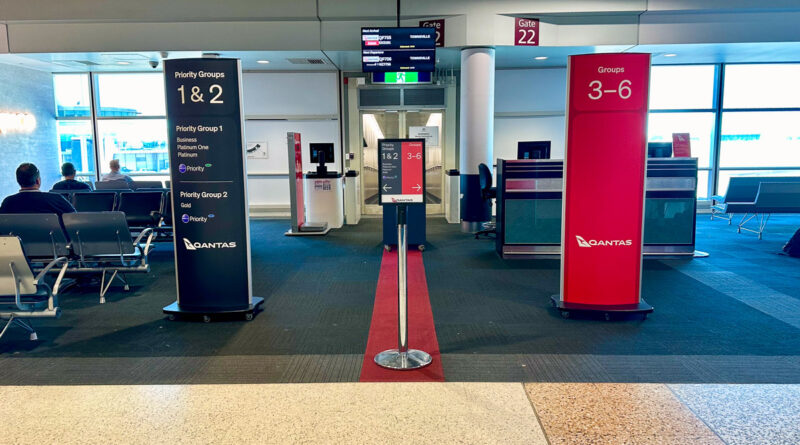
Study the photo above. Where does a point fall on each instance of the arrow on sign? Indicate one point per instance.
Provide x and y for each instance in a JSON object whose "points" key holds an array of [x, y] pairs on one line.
{"points": [[386, 188], [417, 187]]}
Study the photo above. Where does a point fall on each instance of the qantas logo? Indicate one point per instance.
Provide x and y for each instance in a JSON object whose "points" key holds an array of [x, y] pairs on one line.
{"points": [[592, 243], [195, 246]]}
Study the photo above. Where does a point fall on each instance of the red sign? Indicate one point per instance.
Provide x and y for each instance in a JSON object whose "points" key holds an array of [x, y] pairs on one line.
{"points": [[412, 168], [438, 25], [681, 145], [298, 178], [526, 32], [604, 179]]}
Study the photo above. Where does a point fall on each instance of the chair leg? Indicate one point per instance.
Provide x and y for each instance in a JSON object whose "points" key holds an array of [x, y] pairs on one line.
{"points": [[28, 327], [25, 325], [104, 287]]}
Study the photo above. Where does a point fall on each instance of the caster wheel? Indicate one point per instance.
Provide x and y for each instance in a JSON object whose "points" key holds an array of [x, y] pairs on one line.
{"points": [[126, 288], [421, 247], [206, 319], [248, 317], [564, 314], [171, 317], [607, 316], [644, 316]]}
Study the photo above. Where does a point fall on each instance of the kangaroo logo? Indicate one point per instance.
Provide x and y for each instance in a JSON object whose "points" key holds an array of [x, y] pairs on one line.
{"points": [[188, 244], [581, 242]]}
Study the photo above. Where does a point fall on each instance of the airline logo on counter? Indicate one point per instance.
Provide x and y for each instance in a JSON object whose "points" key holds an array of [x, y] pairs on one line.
{"points": [[195, 246], [591, 243]]}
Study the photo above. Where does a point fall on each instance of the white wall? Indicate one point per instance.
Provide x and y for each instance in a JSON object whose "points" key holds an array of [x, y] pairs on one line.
{"points": [[276, 103], [529, 105]]}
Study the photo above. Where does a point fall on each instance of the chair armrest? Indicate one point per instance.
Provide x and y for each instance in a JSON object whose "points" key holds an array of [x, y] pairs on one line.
{"points": [[149, 232], [47, 268]]}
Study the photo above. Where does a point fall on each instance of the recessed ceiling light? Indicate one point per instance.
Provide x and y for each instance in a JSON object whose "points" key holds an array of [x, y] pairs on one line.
{"points": [[540, 58], [123, 63], [262, 61], [670, 55]]}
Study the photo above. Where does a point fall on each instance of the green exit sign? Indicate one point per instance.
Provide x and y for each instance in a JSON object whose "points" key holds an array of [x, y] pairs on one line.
{"points": [[404, 77]]}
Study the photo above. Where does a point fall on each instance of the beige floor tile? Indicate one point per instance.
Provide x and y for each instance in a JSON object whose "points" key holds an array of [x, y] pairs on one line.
{"points": [[615, 414], [349, 413]]}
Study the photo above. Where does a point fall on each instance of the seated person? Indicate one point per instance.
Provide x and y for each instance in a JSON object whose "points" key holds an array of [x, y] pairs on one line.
{"points": [[115, 175], [30, 199], [69, 182]]}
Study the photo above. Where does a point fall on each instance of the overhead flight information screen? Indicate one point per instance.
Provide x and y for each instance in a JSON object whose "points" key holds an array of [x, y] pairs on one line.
{"points": [[398, 49]]}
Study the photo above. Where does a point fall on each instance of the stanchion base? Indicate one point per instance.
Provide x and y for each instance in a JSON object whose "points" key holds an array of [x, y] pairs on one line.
{"points": [[394, 359]]}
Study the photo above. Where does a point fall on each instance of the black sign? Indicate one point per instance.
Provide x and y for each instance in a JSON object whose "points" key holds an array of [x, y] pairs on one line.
{"points": [[438, 25], [398, 49], [209, 199], [401, 164]]}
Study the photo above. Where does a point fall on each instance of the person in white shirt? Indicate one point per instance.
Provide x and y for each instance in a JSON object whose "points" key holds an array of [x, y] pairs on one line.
{"points": [[115, 175]]}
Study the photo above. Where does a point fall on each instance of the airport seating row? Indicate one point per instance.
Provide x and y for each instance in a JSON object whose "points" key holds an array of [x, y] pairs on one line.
{"points": [[143, 208], [756, 199], [92, 243]]}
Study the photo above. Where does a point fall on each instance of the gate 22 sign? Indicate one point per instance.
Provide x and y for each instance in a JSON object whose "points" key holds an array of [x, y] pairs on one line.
{"points": [[526, 32]]}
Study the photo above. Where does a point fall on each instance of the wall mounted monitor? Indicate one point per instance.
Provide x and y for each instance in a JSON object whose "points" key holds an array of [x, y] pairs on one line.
{"points": [[398, 49], [533, 150], [659, 149], [321, 149], [402, 77]]}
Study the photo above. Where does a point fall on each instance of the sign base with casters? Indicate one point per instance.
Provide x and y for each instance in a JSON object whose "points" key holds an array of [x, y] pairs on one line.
{"points": [[174, 311], [608, 310]]}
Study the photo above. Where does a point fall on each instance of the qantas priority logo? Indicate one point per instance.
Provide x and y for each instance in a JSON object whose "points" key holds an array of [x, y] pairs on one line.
{"points": [[593, 243]]}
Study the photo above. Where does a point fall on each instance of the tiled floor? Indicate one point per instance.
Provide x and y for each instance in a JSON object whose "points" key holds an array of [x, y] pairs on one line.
{"points": [[440, 413]]}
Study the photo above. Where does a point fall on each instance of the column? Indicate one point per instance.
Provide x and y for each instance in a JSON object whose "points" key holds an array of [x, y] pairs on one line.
{"points": [[476, 132]]}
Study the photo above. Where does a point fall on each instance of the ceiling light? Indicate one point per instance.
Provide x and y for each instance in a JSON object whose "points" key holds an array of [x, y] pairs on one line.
{"points": [[540, 58], [123, 63], [262, 61], [670, 55]]}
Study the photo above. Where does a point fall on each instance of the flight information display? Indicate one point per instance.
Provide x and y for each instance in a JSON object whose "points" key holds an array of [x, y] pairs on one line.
{"points": [[398, 49]]}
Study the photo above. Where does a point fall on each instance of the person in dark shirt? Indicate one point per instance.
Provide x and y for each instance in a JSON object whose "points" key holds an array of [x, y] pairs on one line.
{"points": [[30, 199], [69, 182]]}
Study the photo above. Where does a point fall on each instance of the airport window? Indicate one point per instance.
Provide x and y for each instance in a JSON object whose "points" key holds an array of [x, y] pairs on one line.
{"points": [[682, 101], [126, 121], [759, 131], [72, 95], [682, 87], [762, 86], [74, 126], [128, 95], [140, 145]]}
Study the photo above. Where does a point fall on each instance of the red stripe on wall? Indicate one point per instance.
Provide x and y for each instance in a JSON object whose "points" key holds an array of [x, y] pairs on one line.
{"points": [[383, 330]]}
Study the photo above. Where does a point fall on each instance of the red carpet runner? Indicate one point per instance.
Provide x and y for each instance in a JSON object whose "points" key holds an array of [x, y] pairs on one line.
{"points": [[383, 330]]}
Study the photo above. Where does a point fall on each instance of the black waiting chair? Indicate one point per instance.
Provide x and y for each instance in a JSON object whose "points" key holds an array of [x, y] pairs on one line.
{"points": [[41, 235], [112, 185], [142, 209], [488, 193], [94, 201], [138, 185], [101, 242], [24, 296]]}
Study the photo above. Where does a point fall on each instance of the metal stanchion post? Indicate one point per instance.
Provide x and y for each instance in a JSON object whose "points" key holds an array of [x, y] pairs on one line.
{"points": [[402, 358]]}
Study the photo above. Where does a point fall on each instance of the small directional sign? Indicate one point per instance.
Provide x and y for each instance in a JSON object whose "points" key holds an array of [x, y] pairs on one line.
{"points": [[401, 164]]}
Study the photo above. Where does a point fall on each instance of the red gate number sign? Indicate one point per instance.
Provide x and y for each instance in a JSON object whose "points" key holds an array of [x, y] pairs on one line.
{"points": [[298, 173], [438, 25], [526, 32], [604, 178]]}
